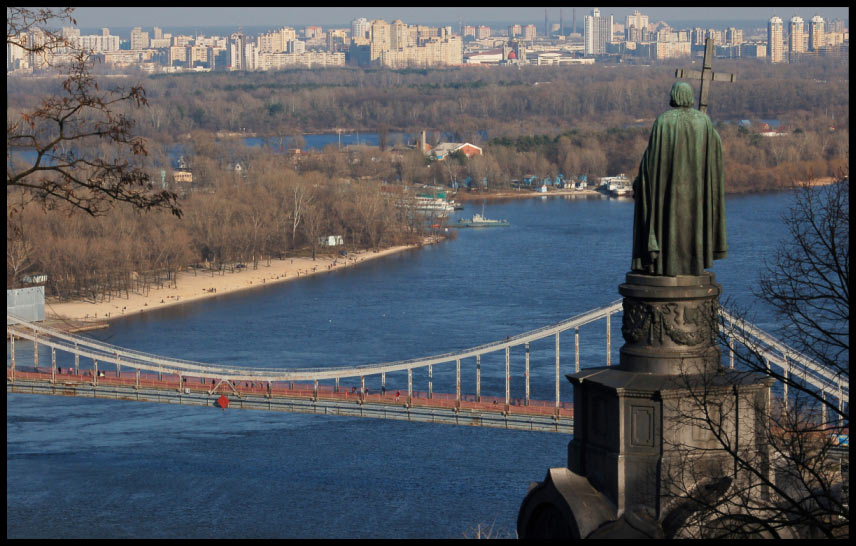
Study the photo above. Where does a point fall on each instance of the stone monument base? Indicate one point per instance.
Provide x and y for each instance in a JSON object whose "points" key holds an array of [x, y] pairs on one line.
{"points": [[630, 434], [642, 434], [670, 323]]}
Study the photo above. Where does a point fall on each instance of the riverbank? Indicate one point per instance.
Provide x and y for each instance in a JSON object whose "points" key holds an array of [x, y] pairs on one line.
{"points": [[196, 286], [515, 194]]}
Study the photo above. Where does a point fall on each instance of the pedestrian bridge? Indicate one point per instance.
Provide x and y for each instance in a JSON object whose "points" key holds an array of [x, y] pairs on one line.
{"points": [[101, 370]]}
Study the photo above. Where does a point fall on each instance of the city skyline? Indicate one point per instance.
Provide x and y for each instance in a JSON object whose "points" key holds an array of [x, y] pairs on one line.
{"points": [[89, 17]]}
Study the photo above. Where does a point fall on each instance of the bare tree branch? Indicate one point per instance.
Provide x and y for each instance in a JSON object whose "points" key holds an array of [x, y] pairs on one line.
{"points": [[59, 147]]}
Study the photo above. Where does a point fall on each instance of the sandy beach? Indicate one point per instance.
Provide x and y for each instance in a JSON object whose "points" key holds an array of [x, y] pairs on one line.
{"points": [[195, 287]]}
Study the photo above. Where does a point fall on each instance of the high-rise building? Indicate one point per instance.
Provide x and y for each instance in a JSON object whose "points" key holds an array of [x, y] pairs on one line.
{"points": [[816, 34], [636, 27], [530, 32], [139, 39], [715, 35], [380, 38], [797, 38], [515, 31], [483, 32], [775, 39], [97, 43], [70, 32], [734, 36], [337, 39], [237, 52], [598, 31], [836, 26], [399, 35], [360, 30]]}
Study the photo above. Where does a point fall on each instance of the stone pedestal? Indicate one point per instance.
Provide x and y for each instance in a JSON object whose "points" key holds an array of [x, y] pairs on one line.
{"points": [[670, 324], [634, 425]]}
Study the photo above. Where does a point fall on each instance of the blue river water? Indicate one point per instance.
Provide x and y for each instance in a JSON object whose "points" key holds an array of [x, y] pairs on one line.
{"points": [[109, 469]]}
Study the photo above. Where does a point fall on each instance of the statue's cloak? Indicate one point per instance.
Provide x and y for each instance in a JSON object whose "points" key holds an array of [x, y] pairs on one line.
{"points": [[679, 217]]}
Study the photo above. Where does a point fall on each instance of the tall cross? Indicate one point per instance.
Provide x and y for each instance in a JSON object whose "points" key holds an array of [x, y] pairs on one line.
{"points": [[706, 75]]}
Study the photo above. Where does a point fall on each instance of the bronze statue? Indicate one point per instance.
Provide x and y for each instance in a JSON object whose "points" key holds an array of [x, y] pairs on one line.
{"points": [[679, 216]]}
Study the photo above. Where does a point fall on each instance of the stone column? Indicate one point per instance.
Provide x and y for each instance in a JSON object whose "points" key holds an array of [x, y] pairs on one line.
{"points": [[670, 324]]}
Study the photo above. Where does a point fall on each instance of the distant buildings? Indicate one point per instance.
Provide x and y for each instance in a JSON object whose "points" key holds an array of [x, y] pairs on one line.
{"points": [[598, 31], [400, 45], [775, 40], [816, 35], [444, 149], [636, 27], [797, 38]]}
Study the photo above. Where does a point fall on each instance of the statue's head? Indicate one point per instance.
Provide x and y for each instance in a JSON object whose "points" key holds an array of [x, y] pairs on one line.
{"points": [[681, 95]]}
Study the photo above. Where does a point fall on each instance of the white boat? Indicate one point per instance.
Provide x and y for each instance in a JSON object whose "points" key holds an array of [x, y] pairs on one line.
{"points": [[479, 220], [434, 206]]}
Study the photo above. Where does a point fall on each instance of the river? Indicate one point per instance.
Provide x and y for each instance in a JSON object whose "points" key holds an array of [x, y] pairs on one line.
{"points": [[111, 469]]}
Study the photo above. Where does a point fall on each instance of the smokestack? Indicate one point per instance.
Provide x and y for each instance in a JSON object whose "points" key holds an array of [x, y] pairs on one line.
{"points": [[561, 22], [575, 20], [422, 143], [546, 25]]}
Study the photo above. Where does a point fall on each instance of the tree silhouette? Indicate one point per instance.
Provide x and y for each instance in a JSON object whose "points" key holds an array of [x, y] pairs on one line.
{"points": [[77, 148]]}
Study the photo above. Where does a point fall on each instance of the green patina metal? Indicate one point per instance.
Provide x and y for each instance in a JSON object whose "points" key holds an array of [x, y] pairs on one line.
{"points": [[679, 217]]}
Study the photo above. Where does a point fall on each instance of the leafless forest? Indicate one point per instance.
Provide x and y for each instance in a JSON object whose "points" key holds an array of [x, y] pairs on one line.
{"points": [[591, 120]]}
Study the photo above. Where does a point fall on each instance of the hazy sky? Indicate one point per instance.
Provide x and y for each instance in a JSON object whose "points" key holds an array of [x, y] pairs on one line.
{"points": [[274, 17]]}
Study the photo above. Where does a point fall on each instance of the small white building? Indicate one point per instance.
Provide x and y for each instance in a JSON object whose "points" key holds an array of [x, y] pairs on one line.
{"points": [[331, 240]]}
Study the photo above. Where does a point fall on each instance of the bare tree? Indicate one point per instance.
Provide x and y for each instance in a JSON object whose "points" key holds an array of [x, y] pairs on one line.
{"points": [[781, 473], [19, 258], [300, 198], [314, 223], [63, 132], [808, 284]]}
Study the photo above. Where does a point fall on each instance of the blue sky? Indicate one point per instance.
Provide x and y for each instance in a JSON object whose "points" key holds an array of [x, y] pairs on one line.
{"points": [[341, 16]]}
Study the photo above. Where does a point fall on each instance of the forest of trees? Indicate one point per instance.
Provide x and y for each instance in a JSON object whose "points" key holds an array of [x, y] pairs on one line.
{"points": [[280, 213], [501, 102], [581, 120]]}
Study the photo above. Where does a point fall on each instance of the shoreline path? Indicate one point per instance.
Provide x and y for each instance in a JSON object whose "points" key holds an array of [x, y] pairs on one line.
{"points": [[192, 287]]}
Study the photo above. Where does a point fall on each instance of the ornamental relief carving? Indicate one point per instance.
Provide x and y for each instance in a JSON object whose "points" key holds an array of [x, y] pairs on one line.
{"points": [[683, 323]]}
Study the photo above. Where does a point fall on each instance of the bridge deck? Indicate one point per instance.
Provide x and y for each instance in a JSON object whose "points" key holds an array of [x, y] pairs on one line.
{"points": [[439, 408]]}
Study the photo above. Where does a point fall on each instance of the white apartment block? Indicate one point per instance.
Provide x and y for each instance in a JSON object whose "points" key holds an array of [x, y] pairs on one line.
{"points": [[797, 38], [776, 40], [309, 59], [816, 34], [436, 52], [598, 31]]}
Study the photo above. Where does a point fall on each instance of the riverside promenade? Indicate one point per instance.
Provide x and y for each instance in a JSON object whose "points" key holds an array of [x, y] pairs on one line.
{"points": [[197, 285]]}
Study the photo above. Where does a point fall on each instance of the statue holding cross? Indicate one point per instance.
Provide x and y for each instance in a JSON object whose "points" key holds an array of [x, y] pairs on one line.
{"points": [[679, 216]]}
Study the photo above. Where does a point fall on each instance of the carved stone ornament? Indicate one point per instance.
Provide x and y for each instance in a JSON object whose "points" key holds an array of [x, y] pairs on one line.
{"points": [[684, 323]]}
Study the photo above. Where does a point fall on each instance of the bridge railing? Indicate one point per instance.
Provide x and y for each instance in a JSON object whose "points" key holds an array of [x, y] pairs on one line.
{"points": [[792, 365], [106, 352], [775, 353]]}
